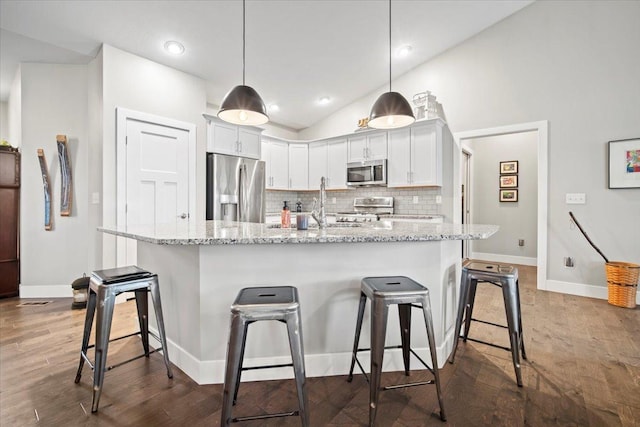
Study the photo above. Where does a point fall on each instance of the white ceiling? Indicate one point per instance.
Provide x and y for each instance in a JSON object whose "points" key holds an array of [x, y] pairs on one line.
{"points": [[296, 50]]}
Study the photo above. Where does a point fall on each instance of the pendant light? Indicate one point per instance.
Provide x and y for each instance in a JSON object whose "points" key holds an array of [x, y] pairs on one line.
{"points": [[391, 110], [242, 105]]}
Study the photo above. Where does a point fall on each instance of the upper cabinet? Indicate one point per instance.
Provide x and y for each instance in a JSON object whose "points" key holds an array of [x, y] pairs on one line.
{"points": [[276, 156], [298, 166], [226, 138], [369, 146], [328, 159], [415, 155]]}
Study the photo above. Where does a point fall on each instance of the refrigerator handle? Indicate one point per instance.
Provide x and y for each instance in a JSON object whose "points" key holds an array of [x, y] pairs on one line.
{"points": [[243, 193]]}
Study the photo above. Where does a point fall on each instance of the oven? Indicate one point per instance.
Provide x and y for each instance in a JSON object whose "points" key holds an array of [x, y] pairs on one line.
{"points": [[367, 173]]}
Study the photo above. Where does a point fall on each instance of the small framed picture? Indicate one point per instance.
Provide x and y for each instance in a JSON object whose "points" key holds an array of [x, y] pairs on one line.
{"points": [[509, 181], [509, 167], [624, 163], [508, 195]]}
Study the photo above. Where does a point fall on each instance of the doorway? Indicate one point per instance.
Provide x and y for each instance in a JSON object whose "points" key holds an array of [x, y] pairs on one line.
{"points": [[155, 173], [465, 179], [541, 129]]}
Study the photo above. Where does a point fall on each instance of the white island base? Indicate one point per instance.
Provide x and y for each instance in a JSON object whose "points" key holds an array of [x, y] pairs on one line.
{"points": [[199, 282]]}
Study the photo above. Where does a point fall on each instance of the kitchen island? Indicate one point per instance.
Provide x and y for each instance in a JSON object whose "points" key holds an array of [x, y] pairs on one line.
{"points": [[203, 265]]}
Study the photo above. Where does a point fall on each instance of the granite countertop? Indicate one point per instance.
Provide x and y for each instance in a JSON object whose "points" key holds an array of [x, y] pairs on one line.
{"points": [[233, 233]]}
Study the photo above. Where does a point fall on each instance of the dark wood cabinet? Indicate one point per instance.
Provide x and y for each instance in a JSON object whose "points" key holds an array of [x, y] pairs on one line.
{"points": [[9, 222]]}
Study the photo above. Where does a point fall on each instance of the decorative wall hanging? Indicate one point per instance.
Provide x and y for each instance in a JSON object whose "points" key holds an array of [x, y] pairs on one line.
{"points": [[509, 181], [624, 163], [47, 189], [508, 195], [66, 184], [509, 167]]}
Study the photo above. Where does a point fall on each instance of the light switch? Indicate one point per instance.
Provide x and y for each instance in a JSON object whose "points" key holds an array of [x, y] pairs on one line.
{"points": [[576, 198], [95, 198]]}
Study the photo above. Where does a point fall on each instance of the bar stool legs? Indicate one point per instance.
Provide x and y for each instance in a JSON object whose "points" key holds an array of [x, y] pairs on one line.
{"points": [[100, 304], [407, 294], [252, 305], [506, 277]]}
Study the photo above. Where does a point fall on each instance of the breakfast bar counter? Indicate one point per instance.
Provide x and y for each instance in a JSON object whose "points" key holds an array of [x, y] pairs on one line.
{"points": [[202, 266]]}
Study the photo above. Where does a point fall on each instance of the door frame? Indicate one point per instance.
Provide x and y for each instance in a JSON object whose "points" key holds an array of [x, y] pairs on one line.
{"points": [[122, 115], [467, 153], [542, 129]]}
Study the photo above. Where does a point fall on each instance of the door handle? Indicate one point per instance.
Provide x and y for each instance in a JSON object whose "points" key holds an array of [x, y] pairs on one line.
{"points": [[183, 216]]}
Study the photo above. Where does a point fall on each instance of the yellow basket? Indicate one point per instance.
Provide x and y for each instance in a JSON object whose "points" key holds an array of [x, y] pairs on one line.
{"points": [[622, 281]]}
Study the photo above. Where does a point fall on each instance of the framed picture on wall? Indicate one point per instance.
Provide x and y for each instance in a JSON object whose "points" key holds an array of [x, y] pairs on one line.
{"points": [[509, 167], [509, 181], [624, 163], [508, 195]]}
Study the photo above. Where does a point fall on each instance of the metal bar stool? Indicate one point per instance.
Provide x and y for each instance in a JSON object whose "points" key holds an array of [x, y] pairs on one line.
{"points": [[253, 305], [506, 277], [104, 286], [408, 294]]}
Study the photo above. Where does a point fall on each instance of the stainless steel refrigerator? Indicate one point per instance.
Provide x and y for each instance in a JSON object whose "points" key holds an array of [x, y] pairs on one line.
{"points": [[235, 188]]}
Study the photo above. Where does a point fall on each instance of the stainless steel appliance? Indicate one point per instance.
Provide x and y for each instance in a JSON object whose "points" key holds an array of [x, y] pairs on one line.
{"points": [[367, 173], [367, 209], [235, 188]]}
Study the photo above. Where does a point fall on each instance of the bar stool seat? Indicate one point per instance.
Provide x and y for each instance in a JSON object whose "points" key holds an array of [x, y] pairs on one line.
{"points": [[104, 286], [407, 294], [254, 304], [506, 277]]}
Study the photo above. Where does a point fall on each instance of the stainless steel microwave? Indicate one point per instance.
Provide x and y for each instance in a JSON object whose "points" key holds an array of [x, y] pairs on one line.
{"points": [[369, 172]]}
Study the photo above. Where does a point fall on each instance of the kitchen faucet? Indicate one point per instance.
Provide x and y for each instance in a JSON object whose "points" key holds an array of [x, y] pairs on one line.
{"points": [[322, 220]]}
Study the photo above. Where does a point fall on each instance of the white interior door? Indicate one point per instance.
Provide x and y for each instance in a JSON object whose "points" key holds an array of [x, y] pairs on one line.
{"points": [[156, 164]]}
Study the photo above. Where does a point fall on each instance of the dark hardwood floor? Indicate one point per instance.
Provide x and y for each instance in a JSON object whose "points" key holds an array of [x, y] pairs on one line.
{"points": [[583, 370]]}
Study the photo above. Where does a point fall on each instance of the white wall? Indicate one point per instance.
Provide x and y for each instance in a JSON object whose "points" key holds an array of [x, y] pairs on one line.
{"points": [[4, 121], [573, 63], [14, 113], [54, 101], [517, 220], [94, 181], [135, 83]]}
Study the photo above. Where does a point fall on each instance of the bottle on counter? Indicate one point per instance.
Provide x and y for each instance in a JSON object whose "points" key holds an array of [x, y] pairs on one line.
{"points": [[298, 206], [285, 216]]}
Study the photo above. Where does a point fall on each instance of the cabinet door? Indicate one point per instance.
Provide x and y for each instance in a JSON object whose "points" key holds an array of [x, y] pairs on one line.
{"points": [[357, 148], [249, 145], [377, 146], [318, 159], [399, 162], [298, 166], [279, 161], [425, 155], [337, 165], [223, 138]]}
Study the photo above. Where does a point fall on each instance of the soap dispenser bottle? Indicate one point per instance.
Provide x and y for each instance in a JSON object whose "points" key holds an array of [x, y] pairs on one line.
{"points": [[299, 207], [285, 216]]}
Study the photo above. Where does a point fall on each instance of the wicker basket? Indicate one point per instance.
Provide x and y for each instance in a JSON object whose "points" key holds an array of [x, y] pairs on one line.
{"points": [[622, 281]]}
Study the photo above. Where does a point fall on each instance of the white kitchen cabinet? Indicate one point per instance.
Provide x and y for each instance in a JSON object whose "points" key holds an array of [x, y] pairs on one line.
{"points": [[371, 146], [298, 166], [276, 156], [415, 155], [328, 159], [226, 138]]}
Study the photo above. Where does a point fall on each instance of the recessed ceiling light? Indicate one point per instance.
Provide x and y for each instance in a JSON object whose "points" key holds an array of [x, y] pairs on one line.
{"points": [[274, 107], [173, 47], [404, 50], [324, 100]]}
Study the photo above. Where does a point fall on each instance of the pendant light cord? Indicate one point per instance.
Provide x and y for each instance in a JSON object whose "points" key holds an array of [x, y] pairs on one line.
{"points": [[243, 40], [389, 45]]}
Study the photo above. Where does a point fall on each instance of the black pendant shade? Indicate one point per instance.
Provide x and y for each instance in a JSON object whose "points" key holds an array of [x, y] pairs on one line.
{"points": [[243, 106], [391, 110]]}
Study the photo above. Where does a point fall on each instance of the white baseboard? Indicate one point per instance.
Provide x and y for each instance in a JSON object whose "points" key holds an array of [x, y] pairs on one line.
{"points": [[316, 365], [37, 291], [580, 289], [508, 259]]}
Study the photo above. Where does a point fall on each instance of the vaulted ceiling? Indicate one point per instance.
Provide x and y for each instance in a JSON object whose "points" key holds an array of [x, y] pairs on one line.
{"points": [[297, 51]]}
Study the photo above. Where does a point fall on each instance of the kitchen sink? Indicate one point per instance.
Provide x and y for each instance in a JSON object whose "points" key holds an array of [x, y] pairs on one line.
{"points": [[315, 226]]}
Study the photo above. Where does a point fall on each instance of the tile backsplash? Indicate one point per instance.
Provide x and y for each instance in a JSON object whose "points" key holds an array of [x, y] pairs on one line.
{"points": [[403, 199]]}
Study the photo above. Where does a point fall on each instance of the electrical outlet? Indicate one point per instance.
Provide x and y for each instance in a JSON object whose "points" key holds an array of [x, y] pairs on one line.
{"points": [[333, 200], [520, 242], [438, 200], [95, 198], [568, 262], [416, 200]]}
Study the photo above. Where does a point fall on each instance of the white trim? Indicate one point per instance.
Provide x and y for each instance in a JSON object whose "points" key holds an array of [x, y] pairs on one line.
{"points": [[580, 289], [508, 259], [44, 291], [122, 115], [316, 365], [542, 128]]}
